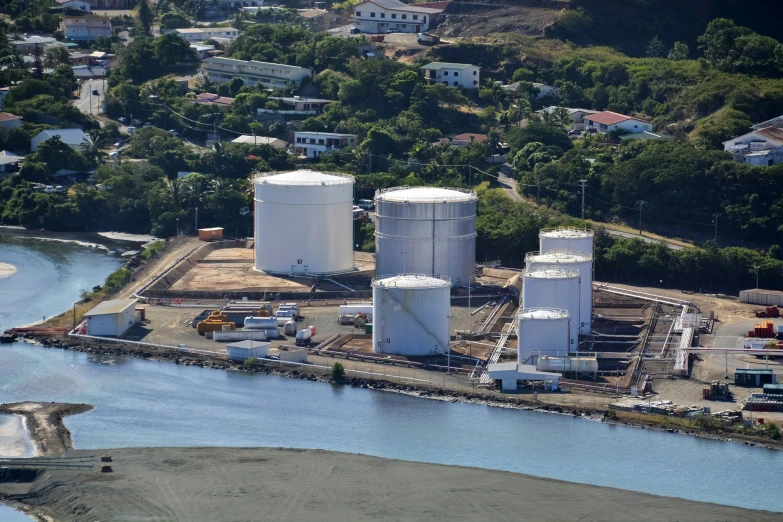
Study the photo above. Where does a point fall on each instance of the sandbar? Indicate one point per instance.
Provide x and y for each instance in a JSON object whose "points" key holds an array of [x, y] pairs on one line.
{"points": [[6, 270]]}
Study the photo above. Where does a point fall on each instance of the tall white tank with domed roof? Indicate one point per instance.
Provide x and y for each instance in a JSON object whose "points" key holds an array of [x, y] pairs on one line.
{"points": [[580, 261], [426, 230], [566, 238], [303, 222]]}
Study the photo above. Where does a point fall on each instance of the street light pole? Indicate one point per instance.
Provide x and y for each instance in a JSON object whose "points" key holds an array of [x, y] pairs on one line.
{"points": [[583, 181], [756, 267], [640, 216]]}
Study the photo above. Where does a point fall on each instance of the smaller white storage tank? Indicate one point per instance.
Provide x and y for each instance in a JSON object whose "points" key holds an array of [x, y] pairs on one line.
{"points": [[571, 239], [581, 261], [411, 314], [559, 288], [542, 331], [260, 323]]}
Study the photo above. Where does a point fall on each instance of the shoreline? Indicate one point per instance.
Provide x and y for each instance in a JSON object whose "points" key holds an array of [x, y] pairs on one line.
{"points": [[377, 384]]}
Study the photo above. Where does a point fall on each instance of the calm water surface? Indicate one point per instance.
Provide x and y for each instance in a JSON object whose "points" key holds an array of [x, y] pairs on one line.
{"points": [[147, 403]]}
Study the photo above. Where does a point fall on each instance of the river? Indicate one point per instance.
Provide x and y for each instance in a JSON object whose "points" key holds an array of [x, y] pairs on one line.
{"points": [[148, 403]]}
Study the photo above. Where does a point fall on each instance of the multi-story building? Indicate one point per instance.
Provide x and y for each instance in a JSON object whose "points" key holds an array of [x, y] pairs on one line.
{"points": [[83, 28], [273, 75], [313, 144], [200, 34], [453, 74], [393, 16]]}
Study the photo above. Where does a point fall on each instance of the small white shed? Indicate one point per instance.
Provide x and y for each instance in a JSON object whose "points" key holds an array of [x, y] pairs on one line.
{"points": [[511, 373], [244, 350], [111, 318]]}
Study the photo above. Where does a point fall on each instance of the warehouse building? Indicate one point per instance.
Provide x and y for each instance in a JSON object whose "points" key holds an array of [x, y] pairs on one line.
{"points": [[111, 318]]}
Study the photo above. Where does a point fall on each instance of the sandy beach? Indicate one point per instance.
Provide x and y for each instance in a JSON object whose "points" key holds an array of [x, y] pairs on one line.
{"points": [[6, 270], [252, 484], [13, 440]]}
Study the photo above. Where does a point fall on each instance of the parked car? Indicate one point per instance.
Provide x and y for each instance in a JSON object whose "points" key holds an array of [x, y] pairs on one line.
{"points": [[174, 132], [355, 30], [95, 92], [575, 132], [59, 189], [131, 130], [49, 189], [366, 204], [118, 145], [122, 119], [114, 154], [148, 124]]}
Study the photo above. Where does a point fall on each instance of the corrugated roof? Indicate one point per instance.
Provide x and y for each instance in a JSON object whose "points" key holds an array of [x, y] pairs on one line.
{"points": [[772, 133], [111, 307], [396, 5], [7, 116], [446, 65], [67, 136]]}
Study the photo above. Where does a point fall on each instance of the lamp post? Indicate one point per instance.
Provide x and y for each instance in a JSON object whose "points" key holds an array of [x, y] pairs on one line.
{"points": [[640, 216]]}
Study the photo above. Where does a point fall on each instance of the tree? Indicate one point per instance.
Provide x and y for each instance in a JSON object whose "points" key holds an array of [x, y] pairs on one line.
{"points": [[523, 75], [37, 62], [145, 17], [655, 48], [557, 117], [338, 372], [679, 52], [57, 55]]}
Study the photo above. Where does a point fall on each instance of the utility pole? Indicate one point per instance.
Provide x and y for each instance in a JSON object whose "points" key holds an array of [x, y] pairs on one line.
{"points": [[196, 219], [640, 216], [583, 181], [756, 267], [538, 187], [89, 89], [715, 217]]}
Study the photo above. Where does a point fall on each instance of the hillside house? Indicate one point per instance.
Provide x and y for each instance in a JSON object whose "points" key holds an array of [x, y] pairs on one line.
{"points": [[273, 75], [200, 34], [9, 162], [313, 144], [608, 121], [74, 4], [577, 116], [84, 28], [393, 16], [28, 44], [760, 147], [249, 139], [297, 105], [453, 74], [207, 98], [9, 121]]}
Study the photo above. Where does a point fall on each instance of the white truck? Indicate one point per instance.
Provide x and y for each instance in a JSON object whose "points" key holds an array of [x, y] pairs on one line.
{"points": [[347, 312], [304, 336]]}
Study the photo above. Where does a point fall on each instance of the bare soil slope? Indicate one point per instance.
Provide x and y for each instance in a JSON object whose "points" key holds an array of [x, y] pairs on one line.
{"points": [[483, 17], [233, 484]]}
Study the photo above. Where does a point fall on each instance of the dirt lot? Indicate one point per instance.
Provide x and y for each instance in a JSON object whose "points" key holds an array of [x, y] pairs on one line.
{"points": [[222, 484], [483, 17]]}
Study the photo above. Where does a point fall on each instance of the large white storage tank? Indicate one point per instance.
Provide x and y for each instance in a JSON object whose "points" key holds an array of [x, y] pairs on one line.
{"points": [[426, 230], [571, 239], [554, 288], [581, 261], [304, 222], [411, 314], [542, 331]]}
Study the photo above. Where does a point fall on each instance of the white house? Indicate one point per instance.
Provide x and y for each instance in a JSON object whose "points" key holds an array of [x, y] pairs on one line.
{"points": [[10, 121], [111, 318], [74, 4], [453, 74], [202, 50], [83, 28], [760, 147], [298, 105], [577, 116], [609, 121], [28, 44], [9, 162], [199, 34], [313, 144], [249, 139], [71, 137], [543, 89], [393, 16], [222, 70]]}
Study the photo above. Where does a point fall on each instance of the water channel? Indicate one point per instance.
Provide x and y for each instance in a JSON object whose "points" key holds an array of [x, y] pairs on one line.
{"points": [[148, 403]]}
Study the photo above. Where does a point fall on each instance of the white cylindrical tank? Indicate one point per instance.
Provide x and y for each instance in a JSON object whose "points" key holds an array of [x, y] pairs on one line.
{"points": [[411, 314], [260, 323], [542, 331], [554, 288], [426, 230], [570, 239], [581, 261], [303, 222]]}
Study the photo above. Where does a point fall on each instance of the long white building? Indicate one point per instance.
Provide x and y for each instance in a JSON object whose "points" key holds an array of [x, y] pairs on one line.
{"points": [[274, 75], [393, 16]]}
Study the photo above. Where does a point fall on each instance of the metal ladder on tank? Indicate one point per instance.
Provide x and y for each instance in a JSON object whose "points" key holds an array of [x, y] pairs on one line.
{"points": [[411, 314]]}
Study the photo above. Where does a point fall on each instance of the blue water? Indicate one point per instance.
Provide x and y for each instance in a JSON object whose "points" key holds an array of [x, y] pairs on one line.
{"points": [[147, 403]]}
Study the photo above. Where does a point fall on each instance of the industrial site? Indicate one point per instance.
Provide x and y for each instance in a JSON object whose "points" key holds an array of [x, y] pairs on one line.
{"points": [[422, 310]]}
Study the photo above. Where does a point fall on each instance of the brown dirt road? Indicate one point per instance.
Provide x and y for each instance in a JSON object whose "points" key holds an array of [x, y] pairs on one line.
{"points": [[244, 484]]}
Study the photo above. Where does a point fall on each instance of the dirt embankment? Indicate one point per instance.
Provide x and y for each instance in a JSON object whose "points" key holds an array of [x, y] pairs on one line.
{"points": [[221, 484], [484, 17], [45, 423]]}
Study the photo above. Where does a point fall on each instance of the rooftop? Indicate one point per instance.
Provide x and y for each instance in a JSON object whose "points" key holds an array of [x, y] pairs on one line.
{"points": [[411, 281], [327, 134], [425, 195], [570, 233], [446, 65], [542, 313], [209, 97], [470, 136], [111, 307], [259, 140], [189, 30], [610, 118], [232, 61], [246, 345], [7, 158], [771, 133], [396, 5], [69, 136], [559, 256], [7, 116], [296, 99], [304, 177], [550, 273]]}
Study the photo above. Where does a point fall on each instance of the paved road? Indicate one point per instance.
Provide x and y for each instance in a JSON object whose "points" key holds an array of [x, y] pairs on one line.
{"points": [[86, 98], [509, 183]]}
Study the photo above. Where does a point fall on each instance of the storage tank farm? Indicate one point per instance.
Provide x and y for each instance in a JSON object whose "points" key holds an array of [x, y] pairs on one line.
{"points": [[580, 261], [558, 288], [542, 331], [411, 314], [426, 230], [570, 239], [303, 222]]}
